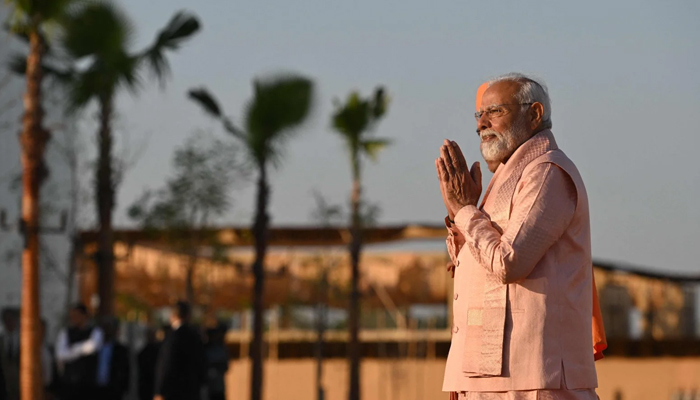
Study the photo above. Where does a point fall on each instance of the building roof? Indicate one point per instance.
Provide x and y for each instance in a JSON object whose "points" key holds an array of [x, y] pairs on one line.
{"points": [[313, 235]]}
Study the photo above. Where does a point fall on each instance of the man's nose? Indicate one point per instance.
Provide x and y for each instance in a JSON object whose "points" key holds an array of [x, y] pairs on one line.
{"points": [[482, 123]]}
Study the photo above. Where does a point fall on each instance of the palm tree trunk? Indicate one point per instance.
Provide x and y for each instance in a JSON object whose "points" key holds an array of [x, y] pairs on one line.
{"points": [[33, 142], [260, 233], [354, 347], [105, 205]]}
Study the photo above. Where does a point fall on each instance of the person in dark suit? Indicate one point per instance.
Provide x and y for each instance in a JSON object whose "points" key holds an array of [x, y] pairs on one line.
{"points": [[112, 375], [217, 362], [3, 389], [181, 367], [147, 359]]}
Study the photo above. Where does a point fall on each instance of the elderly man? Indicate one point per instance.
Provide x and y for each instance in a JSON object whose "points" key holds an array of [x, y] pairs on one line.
{"points": [[524, 304]]}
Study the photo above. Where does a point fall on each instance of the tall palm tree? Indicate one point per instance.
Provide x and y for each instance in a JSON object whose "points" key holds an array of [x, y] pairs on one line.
{"points": [[101, 33], [278, 104], [30, 18], [355, 121]]}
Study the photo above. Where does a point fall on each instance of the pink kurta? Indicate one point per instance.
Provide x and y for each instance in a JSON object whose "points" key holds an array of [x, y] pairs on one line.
{"points": [[523, 288]]}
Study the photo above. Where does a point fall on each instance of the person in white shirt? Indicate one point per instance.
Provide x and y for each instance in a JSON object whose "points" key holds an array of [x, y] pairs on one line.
{"points": [[76, 355]]}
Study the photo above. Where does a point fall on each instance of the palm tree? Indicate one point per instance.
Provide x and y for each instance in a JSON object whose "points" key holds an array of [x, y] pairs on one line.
{"points": [[355, 121], [278, 104], [30, 18], [101, 33]]}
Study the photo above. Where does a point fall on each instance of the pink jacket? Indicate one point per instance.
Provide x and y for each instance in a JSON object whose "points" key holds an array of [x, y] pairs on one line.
{"points": [[523, 289]]}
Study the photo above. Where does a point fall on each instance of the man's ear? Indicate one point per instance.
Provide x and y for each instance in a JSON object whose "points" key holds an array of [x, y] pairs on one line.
{"points": [[536, 114]]}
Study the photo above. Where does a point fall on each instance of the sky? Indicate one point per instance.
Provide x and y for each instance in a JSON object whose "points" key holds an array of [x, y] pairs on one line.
{"points": [[622, 76]]}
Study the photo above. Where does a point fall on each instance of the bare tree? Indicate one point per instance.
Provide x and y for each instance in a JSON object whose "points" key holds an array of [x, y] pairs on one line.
{"points": [[205, 171], [327, 215]]}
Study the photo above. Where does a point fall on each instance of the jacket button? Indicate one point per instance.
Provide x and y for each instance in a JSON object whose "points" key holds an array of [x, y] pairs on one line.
{"points": [[456, 295], [455, 329]]}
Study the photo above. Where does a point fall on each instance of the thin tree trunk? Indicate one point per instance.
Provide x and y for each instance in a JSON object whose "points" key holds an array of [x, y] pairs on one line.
{"points": [[354, 346], [33, 142], [260, 233], [196, 232], [104, 191], [321, 308], [189, 280]]}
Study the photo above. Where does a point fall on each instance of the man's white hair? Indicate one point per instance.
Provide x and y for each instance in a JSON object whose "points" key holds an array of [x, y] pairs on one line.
{"points": [[531, 90]]}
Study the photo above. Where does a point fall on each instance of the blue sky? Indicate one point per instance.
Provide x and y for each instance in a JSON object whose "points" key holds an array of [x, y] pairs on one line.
{"points": [[622, 76]]}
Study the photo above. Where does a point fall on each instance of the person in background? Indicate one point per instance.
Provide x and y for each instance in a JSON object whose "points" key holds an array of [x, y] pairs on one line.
{"points": [[9, 352], [3, 389], [217, 363], [76, 355], [48, 366], [112, 378], [147, 359], [181, 367]]}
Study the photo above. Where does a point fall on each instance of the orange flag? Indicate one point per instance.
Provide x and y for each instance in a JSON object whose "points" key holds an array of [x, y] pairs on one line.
{"points": [[599, 341], [479, 93]]}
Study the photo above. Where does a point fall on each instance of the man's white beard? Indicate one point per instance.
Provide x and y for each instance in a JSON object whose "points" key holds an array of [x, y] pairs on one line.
{"points": [[506, 143]]}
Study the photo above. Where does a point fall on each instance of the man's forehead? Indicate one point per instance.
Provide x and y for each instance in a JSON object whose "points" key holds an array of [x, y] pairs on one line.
{"points": [[497, 93]]}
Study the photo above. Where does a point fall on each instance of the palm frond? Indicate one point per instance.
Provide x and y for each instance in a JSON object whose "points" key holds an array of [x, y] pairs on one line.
{"points": [[372, 147], [355, 120], [59, 10], [125, 72], [351, 119], [99, 29], [279, 104], [380, 104], [210, 105], [206, 100], [25, 7], [180, 27], [21, 33], [19, 22], [86, 86], [18, 65], [42, 17]]}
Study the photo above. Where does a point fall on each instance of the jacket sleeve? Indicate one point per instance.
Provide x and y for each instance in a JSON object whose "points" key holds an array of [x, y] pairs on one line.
{"points": [[542, 208], [66, 352]]}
